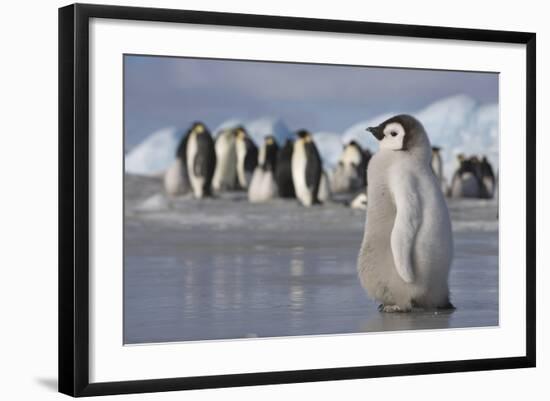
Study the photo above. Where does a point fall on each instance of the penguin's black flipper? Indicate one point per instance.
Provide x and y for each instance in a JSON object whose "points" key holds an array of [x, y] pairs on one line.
{"points": [[283, 172], [314, 169], [251, 158], [181, 151], [204, 163]]}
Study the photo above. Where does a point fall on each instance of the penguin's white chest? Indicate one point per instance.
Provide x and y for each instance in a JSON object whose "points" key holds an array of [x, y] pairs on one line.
{"points": [[241, 156], [197, 182], [466, 186], [298, 164], [224, 174]]}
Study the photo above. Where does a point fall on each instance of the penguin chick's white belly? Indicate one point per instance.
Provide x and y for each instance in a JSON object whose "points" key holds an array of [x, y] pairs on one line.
{"points": [[197, 183], [298, 166], [174, 182], [431, 244], [262, 186]]}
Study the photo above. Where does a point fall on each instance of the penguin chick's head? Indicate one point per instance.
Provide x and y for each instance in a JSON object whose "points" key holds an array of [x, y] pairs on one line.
{"points": [[402, 132]]}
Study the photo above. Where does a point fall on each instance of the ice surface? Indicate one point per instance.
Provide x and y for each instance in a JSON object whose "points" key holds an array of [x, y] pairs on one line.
{"points": [[225, 268]]}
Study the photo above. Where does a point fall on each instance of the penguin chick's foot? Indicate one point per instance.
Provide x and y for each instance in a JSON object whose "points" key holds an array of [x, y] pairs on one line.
{"points": [[392, 309]]}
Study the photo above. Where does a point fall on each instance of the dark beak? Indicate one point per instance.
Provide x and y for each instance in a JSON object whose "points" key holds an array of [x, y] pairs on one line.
{"points": [[377, 132]]}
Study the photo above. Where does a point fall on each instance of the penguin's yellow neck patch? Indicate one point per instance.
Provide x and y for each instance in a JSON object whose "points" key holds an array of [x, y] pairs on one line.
{"points": [[307, 139], [269, 141], [240, 134], [199, 129]]}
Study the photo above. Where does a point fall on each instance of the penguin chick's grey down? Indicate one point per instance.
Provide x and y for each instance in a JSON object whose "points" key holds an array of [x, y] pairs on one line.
{"points": [[407, 246]]}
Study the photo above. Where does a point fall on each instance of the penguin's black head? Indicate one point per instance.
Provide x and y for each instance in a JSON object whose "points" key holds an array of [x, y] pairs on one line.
{"points": [[355, 145], [198, 127], [270, 140], [303, 134], [240, 132], [401, 132]]}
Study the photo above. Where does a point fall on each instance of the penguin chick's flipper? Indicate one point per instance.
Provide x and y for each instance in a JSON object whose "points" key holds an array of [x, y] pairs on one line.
{"points": [[405, 226]]}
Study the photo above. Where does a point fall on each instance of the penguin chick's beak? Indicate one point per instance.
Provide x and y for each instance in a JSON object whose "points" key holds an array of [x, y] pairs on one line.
{"points": [[377, 132]]}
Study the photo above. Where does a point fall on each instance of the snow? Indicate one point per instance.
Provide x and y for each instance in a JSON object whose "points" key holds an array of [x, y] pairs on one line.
{"points": [[457, 124], [154, 154], [329, 145], [259, 128]]}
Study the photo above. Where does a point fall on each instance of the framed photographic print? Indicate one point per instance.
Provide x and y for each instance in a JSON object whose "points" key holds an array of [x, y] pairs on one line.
{"points": [[251, 199]]}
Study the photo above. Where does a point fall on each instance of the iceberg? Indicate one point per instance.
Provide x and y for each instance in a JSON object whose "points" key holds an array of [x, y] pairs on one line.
{"points": [[457, 124], [259, 128], [155, 154], [330, 146]]}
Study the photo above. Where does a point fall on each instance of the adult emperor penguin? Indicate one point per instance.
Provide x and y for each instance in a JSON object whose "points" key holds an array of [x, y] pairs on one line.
{"points": [[247, 156], [225, 174], [200, 158], [283, 173], [262, 185], [466, 182], [407, 246], [307, 169]]}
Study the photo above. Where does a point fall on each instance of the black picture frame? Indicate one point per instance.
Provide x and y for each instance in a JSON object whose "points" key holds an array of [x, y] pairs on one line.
{"points": [[74, 198]]}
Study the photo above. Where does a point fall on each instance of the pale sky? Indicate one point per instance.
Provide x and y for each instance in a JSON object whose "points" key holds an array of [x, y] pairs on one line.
{"points": [[171, 91]]}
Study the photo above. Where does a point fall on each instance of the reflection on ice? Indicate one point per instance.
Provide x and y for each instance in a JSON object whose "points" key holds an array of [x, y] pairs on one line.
{"points": [[277, 269]]}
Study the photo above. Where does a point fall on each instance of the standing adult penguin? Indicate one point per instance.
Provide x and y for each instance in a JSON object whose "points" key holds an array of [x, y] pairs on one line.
{"points": [[262, 185], [407, 246], [247, 156], [200, 158], [283, 172], [225, 174], [466, 182], [307, 169]]}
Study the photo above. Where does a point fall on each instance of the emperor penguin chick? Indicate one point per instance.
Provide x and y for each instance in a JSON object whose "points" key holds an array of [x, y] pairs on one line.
{"points": [[407, 246]]}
